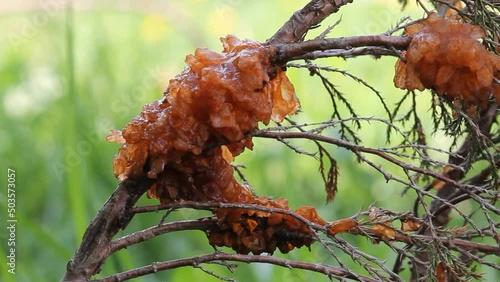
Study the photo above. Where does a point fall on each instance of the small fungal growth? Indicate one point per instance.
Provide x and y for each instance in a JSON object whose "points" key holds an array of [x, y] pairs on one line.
{"points": [[446, 56], [187, 140]]}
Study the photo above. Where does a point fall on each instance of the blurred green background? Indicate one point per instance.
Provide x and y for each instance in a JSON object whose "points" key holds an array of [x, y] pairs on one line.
{"points": [[70, 74]]}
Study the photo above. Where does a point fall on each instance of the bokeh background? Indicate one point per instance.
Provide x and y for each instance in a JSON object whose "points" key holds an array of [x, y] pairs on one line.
{"points": [[70, 73]]}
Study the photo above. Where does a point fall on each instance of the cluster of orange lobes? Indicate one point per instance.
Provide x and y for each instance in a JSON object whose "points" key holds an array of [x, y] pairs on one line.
{"points": [[187, 140], [445, 55]]}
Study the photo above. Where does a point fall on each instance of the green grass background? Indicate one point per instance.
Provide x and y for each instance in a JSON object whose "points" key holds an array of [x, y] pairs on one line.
{"points": [[68, 76]]}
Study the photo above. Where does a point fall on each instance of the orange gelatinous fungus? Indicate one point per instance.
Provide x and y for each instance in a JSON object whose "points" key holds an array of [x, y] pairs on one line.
{"points": [[261, 231], [218, 98], [342, 225], [187, 140], [446, 56]]}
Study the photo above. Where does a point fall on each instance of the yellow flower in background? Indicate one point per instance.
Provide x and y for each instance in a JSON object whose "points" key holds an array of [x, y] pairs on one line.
{"points": [[155, 28], [223, 20]]}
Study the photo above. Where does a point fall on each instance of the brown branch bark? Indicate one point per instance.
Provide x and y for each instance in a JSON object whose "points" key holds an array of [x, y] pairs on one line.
{"points": [[202, 224], [304, 19], [110, 219], [294, 51], [374, 51]]}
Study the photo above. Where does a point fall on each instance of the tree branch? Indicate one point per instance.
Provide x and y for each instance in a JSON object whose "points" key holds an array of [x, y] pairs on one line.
{"points": [[330, 271], [449, 242], [294, 51], [110, 219], [204, 224], [373, 51], [304, 19]]}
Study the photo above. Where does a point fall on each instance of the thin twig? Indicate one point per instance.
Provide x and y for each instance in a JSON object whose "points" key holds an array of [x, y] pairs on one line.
{"points": [[293, 51]]}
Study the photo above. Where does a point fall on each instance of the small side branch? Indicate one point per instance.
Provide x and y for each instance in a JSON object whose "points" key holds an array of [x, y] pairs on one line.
{"points": [[355, 148], [449, 242], [202, 224], [306, 18], [294, 51]]}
